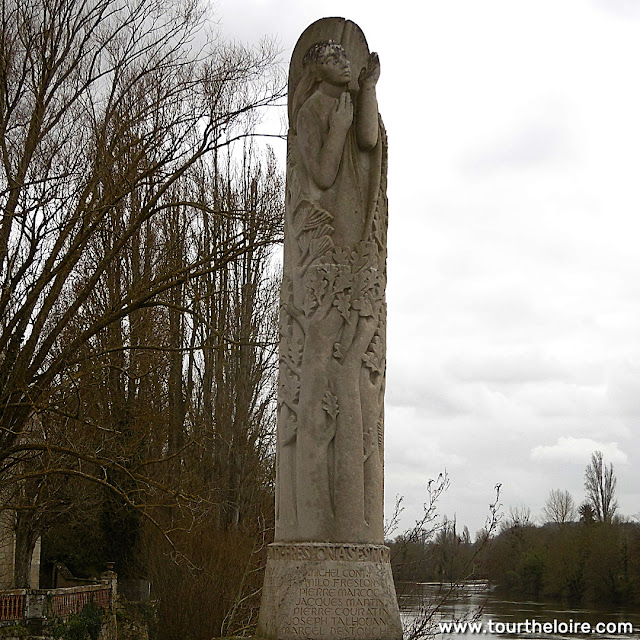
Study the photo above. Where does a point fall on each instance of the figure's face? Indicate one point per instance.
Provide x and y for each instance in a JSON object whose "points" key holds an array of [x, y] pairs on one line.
{"points": [[334, 67]]}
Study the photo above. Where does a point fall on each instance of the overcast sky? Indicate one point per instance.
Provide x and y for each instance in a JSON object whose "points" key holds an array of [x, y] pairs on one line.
{"points": [[514, 262]]}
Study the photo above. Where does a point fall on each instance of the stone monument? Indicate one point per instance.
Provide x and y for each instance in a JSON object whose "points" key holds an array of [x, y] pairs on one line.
{"points": [[328, 573]]}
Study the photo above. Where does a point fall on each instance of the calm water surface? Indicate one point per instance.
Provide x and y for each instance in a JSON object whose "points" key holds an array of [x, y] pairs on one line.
{"points": [[474, 598]]}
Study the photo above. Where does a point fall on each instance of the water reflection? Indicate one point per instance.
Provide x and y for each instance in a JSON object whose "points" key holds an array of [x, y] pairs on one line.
{"points": [[499, 616]]}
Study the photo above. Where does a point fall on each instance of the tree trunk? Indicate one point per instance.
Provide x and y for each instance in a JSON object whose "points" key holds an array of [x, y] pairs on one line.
{"points": [[26, 537]]}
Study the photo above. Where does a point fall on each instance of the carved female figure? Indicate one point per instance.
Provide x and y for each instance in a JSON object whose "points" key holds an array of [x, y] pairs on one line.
{"points": [[332, 352]]}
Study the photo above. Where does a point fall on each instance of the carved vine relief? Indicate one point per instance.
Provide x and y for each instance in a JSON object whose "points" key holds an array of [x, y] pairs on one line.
{"points": [[332, 310]]}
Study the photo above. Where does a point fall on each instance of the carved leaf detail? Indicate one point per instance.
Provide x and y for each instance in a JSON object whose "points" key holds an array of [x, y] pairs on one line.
{"points": [[284, 346], [283, 322], [369, 279], [364, 255], [286, 291], [342, 302], [304, 241], [295, 352], [374, 357], [289, 386], [289, 430], [321, 230], [338, 351], [317, 285], [341, 256], [330, 272], [316, 216], [383, 315], [370, 362], [330, 405], [318, 247], [364, 306], [309, 303], [380, 226], [368, 443], [343, 279]]}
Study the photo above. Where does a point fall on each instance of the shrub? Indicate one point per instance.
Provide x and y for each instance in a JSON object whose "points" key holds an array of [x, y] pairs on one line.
{"points": [[86, 625]]}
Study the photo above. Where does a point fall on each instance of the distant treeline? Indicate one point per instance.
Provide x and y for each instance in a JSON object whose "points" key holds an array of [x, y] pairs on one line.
{"points": [[579, 562]]}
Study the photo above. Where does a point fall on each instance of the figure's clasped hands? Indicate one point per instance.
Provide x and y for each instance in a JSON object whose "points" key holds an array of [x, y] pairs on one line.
{"points": [[370, 74], [342, 116]]}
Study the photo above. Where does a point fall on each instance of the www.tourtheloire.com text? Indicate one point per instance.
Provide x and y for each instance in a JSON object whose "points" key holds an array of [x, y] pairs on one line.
{"points": [[533, 626]]}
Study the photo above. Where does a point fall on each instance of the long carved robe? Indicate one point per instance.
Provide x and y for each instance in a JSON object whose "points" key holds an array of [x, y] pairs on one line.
{"points": [[332, 352]]}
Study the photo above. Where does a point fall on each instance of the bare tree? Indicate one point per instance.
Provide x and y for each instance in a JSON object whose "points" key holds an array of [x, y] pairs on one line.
{"points": [[519, 517], [559, 507], [600, 485], [105, 109], [424, 625], [226, 335]]}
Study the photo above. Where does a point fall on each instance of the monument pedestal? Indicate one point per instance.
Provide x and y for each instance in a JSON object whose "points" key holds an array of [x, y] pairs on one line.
{"points": [[329, 590]]}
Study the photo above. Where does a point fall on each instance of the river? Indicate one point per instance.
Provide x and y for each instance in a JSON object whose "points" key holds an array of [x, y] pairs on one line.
{"points": [[500, 615]]}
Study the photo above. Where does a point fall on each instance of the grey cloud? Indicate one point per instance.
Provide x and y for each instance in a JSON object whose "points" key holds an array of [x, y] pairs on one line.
{"points": [[577, 450], [623, 389], [569, 404], [621, 8], [514, 368], [544, 140], [433, 397]]}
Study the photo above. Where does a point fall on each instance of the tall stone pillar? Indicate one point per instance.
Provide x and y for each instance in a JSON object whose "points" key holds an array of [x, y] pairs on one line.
{"points": [[328, 573]]}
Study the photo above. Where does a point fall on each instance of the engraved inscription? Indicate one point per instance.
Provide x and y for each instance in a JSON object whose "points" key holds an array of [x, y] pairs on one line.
{"points": [[328, 590], [338, 603], [315, 553]]}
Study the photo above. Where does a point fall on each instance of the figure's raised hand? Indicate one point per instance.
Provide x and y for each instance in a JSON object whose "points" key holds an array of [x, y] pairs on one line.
{"points": [[342, 116], [369, 75]]}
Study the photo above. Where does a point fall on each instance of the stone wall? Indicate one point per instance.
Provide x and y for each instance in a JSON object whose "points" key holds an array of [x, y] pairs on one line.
{"points": [[28, 614]]}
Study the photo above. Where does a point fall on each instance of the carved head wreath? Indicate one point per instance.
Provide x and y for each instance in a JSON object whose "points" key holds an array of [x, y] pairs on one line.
{"points": [[319, 50]]}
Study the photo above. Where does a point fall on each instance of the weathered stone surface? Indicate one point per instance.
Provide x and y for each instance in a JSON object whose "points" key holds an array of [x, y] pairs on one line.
{"points": [[332, 310], [329, 591], [329, 575]]}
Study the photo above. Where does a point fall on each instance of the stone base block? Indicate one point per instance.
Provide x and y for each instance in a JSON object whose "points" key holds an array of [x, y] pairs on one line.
{"points": [[322, 591]]}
